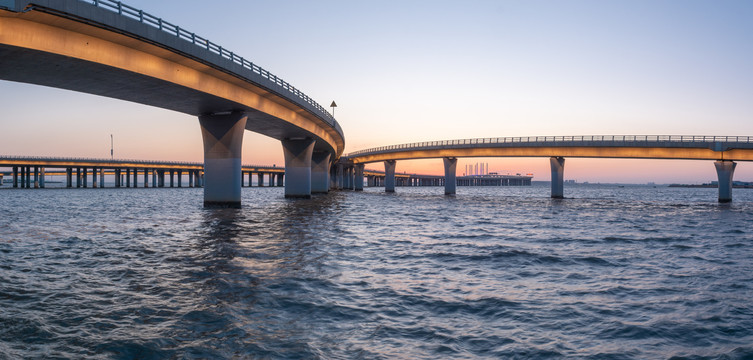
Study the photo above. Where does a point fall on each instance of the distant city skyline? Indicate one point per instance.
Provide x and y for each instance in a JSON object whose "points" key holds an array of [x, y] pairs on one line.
{"points": [[421, 71]]}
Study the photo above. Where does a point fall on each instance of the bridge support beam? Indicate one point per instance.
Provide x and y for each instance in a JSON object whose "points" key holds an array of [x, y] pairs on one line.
{"points": [[450, 181], [558, 176], [724, 172], [389, 175], [358, 179], [223, 140], [319, 172], [298, 154]]}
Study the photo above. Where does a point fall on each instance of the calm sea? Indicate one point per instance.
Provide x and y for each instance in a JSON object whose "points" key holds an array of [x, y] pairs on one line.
{"points": [[633, 272]]}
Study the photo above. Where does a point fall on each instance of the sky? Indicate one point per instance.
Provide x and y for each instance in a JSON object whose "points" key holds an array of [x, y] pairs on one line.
{"points": [[410, 71]]}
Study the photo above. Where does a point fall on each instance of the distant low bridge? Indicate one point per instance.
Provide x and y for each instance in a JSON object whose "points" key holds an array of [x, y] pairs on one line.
{"points": [[724, 150]]}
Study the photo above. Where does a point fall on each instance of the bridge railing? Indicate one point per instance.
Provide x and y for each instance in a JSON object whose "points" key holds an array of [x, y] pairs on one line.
{"points": [[172, 29], [563, 140]]}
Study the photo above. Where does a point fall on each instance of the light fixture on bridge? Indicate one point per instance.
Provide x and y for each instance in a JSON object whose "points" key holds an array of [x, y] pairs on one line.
{"points": [[333, 106]]}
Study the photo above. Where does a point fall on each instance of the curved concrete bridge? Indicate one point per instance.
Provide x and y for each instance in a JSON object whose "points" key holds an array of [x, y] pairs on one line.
{"points": [[725, 150], [105, 48]]}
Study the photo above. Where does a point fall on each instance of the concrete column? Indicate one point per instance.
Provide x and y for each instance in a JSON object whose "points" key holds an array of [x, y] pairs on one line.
{"points": [[36, 177], [84, 179], [146, 178], [250, 179], [161, 178], [320, 172], [128, 178], [724, 172], [190, 178], [101, 177], [15, 177], [271, 179], [117, 178], [172, 178], [78, 177], [351, 178], [339, 176], [260, 179], [389, 175], [223, 141], [180, 178], [358, 180], [135, 178], [558, 175], [298, 155], [41, 178], [94, 178], [450, 170], [280, 179]]}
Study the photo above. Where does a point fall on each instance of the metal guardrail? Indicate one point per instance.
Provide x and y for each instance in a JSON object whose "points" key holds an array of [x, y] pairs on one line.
{"points": [[564, 141], [115, 161], [201, 42]]}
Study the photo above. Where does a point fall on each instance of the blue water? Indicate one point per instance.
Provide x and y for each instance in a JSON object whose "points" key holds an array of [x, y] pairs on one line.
{"points": [[631, 272]]}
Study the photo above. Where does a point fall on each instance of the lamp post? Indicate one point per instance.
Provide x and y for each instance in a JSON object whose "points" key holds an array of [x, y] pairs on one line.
{"points": [[111, 148], [333, 106]]}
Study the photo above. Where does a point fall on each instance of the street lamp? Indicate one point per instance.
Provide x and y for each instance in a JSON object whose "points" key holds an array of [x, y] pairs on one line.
{"points": [[333, 106]]}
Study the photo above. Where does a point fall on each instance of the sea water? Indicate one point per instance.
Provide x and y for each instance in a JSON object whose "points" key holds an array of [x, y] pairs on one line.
{"points": [[633, 272]]}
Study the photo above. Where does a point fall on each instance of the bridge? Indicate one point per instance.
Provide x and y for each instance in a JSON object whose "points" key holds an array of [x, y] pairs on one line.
{"points": [[30, 171], [724, 150], [106, 48]]}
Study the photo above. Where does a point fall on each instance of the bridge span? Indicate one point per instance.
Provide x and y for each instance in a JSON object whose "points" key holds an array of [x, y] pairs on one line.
{"points": [[724, 150], [106, 48]]}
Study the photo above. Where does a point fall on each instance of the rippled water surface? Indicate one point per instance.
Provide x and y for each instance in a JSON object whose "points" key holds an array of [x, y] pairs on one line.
{"points": [[609, 273]]}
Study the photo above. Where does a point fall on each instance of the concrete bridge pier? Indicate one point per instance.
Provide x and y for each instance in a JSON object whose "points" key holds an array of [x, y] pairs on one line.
{"points": [[358, 183], [223, 140], [281, 179], [319, 172], [558, 176], [260, 179], [724, 172], [298, 155], [15, 176], [146, 178], [351, 178], [36, 177], [94, 178], [101, 177], [389, 175], [340, 175], [41, 178], [450, 169]]}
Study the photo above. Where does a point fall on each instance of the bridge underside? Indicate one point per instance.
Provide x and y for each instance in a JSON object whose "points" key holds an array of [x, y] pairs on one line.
{"points": [[79, 57]]}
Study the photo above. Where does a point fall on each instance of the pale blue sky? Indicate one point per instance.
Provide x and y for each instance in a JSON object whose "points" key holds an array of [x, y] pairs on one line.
{"points": [[432, 70]]}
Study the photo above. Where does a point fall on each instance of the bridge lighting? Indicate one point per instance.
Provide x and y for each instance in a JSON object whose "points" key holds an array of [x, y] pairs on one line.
{"points": [[111, 148], [333, 106]]}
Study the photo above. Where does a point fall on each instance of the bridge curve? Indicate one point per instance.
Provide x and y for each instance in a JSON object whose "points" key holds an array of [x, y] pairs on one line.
{"points": [[725, 150], [106, 48]]}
